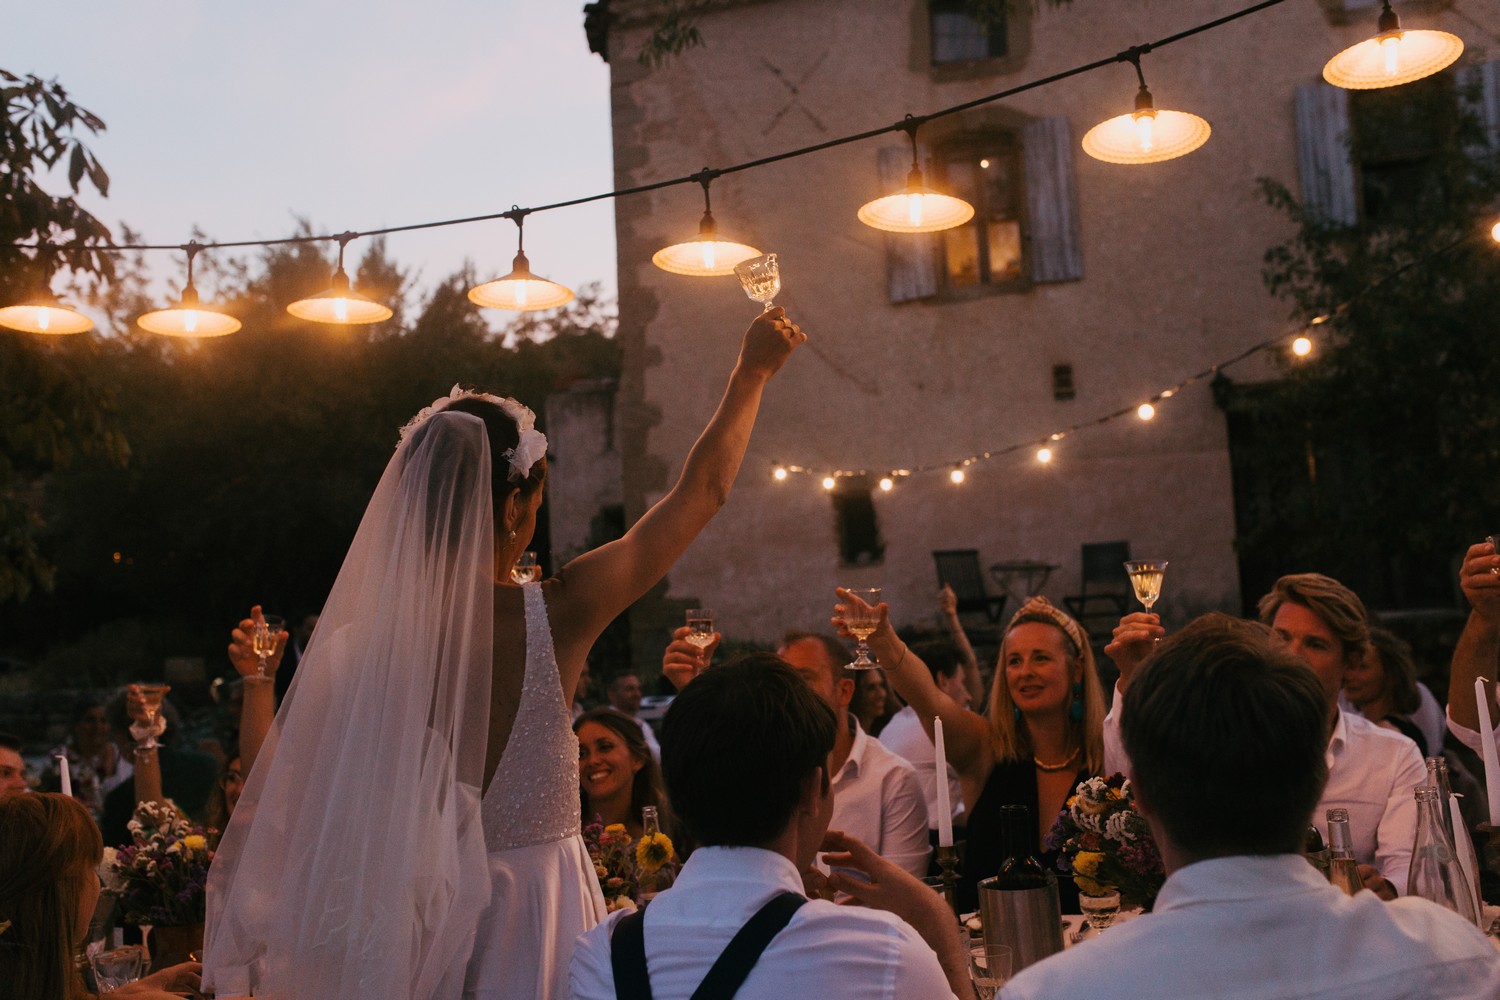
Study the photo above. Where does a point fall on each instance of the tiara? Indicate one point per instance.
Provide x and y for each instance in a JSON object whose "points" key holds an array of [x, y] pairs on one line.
{"points": [[532, 443]]}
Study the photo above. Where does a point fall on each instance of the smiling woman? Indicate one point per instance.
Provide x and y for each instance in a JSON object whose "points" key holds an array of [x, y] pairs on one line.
{"points": [[617, 775]]}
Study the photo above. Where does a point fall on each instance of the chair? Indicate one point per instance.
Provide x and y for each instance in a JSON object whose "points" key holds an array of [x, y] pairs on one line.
{"points": [[959, 569], [1104, 589]]}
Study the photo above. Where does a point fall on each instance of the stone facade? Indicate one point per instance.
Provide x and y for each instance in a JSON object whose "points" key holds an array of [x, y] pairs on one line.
{"points": [[583, 467]]}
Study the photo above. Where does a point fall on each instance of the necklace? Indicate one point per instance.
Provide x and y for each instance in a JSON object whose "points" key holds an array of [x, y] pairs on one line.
{"points": [[1040, 766]]}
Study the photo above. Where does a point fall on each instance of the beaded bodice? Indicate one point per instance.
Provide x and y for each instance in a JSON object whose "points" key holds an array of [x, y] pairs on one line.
{"points": [[533, 797]]}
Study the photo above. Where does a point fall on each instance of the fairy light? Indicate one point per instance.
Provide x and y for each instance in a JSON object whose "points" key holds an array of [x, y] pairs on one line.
{"points": [[829, 483], [1044, 455], [1302, 346], [956, 476], [779, 474], [1495, 233], [886, 483], [1145, 411]]}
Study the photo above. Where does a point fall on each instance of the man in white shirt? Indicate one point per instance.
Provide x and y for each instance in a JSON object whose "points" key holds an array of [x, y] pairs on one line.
{"points": [[1371, 771], [624, 694], [905, 737], [747, 745], [1478, 646], [877, 797], [1227, 734]]}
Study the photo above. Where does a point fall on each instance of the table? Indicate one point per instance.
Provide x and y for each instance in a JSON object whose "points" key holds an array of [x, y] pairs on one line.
{"points": [[1029, 573]]}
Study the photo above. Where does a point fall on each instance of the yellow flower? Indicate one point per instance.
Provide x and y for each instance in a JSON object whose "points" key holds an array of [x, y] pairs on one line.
{"points": [[195, 842], [1087, 863], [653, 851], [1089, 887]]}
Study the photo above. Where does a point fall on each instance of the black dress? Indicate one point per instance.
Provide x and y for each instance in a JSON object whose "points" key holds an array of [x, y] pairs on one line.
{"points": [[1011, 783]]}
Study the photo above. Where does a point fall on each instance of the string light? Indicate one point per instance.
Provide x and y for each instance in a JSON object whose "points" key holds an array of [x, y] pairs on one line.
{"points": [[916, 208], [1495, 233], [779, 474], [708, 254], [829, 483], [1044, 455], [520, 290], [886, 483], [956, 476], [1302, 346], [1148, 134], [341, 304], [1393, 57], [1145, 411], [43, 313], [190, 317]]}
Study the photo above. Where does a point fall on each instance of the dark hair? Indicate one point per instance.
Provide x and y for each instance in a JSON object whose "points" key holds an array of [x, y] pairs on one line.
{"points": [[942, 657], [646, 789], [1226, 732], [216, 812], [49, 847], [738, 744], [838, 653], [10, 742], [1400, 672], [85, 704], [503, 435]]}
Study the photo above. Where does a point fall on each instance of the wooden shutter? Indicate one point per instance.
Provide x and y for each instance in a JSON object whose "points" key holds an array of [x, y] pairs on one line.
{"points": [[1051, 201], [911, 258], [1479, 90], [1324, 161]]}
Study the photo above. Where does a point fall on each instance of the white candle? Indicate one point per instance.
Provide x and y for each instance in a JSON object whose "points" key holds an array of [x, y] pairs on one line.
{"points": [[67, 774], [944, 809], [1487, 743]]}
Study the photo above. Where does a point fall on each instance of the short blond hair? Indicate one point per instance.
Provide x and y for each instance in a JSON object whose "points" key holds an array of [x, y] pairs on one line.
{"points": [[1339, 607]]}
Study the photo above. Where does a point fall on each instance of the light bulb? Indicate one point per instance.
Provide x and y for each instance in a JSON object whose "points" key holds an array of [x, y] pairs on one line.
{"points": [[1495, 233], [44, 318], [828, 482], [1144, 129], [914, 209], [1390, 46], [708, 255], [957, 475], [780, 474], [190, 321], [521, 293], [1302, 346], [1044, 455], [984, 164], [886, 483], [1145, 411]]}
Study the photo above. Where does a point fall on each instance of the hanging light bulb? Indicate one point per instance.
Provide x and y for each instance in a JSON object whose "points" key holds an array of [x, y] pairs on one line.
{"points": [[190, 317], [1145, 411], [916, 208], [1148, 134], [1044, 455], [1302, 346], [956, 476], [886, 483], [42, 312], [1393, 57], [1495, 233], [341, 304], [708, 254], [520, 290], [779, 474], [829, 483]]}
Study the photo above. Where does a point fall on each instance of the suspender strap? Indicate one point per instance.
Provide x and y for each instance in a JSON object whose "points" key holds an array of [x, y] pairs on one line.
{"points": [[627, 952]]}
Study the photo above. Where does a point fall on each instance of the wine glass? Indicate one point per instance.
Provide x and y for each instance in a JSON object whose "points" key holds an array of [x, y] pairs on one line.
{"points": [[264, 638], [1101, 910], [1145, 577], [989, 968], [862, 618], [700, 623], [1494, 541], [526, 569], [151, 699], [118, 966], [761, 278]]}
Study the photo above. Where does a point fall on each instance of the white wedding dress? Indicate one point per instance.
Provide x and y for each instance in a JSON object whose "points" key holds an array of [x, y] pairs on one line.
{"points": [[543, 892]]}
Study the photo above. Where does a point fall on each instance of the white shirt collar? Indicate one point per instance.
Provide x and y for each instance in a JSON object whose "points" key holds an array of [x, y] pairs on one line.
{"points": [[1238, 878], [856, 759], [740, 864]]}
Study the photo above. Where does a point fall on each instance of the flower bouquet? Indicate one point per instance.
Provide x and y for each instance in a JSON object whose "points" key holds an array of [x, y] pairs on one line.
{"points": [[1105, 844], [627, 870], [160, 876]]}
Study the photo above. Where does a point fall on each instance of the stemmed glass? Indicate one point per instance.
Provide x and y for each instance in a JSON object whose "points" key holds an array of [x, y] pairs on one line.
{"points": [[526, 569], [151, 699], [1145, 577], [1101, 910], [700, 623], [761, 278], [1494, 541], [989, 968], [862, 618], [263, 639]]}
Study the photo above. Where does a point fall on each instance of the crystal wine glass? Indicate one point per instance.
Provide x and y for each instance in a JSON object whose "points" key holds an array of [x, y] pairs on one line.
{"points": [[1145, 577], [700, 623], [264, 638], [1101, 910], [761, 278], [151, 699], [526, 569], [862, 618], [118, 967]]}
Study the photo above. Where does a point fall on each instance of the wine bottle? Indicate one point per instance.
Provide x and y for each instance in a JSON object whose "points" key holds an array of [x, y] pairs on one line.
{"points": [[1342, 869], [1019, 870], [1435, 872], [1019, 906]]}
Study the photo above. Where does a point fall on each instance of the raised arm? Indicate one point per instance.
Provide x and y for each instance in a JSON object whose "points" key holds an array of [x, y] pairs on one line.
{"points": [[258, 697], [1479, 645], [948, 605], [594, 588], [966, 734]]}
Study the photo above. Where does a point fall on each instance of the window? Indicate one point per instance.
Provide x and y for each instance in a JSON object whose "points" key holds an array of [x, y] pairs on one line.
{"points": [[1397, 136], [858, 527], [1062, 383], [958, 34], [985, 171]]}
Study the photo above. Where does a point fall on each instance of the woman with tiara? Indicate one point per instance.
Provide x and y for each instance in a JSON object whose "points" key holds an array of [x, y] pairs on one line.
{"points": [[411, 828]]}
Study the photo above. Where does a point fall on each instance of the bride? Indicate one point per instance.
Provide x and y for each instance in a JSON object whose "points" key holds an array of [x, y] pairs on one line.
{"points": [[411, 828]]}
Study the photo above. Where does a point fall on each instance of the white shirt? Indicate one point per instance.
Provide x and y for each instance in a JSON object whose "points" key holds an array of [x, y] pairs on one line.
{"points": [[905, 737], [1371, 773], [877, 798], [826, 951], [1272, 928], [1470, 738]]}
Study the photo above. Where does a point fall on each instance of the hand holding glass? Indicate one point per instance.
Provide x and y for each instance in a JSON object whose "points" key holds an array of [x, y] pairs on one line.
{"points": [[862, 618], [264, 639], [151, 699], [117, 967], [761, 278], [700, 623], [1146, 577]]}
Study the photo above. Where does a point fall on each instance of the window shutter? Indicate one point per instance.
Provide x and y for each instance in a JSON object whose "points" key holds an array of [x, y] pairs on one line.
{"points": [[1051, 201], [1479, 90], [911, 258], [1323, 157]]}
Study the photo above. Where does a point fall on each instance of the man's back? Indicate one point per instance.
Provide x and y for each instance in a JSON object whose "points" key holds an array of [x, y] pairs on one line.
{"points": [[1271, 927], [826, 951]]}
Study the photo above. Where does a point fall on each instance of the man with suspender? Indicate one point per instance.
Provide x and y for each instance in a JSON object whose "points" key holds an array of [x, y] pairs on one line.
{"points": [[744, 753]]}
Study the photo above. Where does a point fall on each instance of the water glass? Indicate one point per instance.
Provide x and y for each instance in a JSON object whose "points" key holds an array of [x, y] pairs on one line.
{"points": [[989, 968], [1101, 910], [526, 569], [118, 966]]}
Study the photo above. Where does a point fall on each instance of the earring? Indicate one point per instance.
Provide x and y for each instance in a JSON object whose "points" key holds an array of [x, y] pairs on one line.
{"points": [[1075, 710], [1017, 710], [512, 536]]}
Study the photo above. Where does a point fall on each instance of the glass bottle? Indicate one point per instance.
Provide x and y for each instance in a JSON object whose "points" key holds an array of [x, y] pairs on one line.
{"points": [[1019, 870], [1437, 777], [1435, 872], [648, 884], [1018, 907], [1342, 869], [1314, 850]]}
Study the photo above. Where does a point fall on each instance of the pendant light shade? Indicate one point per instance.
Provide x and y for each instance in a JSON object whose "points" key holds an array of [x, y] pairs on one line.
{"points": [[341, 304], [1148, 134], [916, 208], [710, 253], [1393, 56], [44, 314], [520, 290], [190, 317]]}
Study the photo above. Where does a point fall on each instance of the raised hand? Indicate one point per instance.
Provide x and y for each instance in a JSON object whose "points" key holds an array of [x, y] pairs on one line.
{"points": [[769, 341], [683, 661], [1133, 640], [1480, 579], [242, 648]]}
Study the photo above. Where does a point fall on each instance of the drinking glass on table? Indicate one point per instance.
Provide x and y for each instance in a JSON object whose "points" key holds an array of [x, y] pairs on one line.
{"points": [[1101, 910], [862, 618], [761, 278], [989, 968], [151, 699], [1145, 577], [526, 568], [700, 623], [265, 635], [118, 966]]}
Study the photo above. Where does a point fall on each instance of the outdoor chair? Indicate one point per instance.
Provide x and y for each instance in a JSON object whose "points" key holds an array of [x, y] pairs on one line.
{"points": [[1104, 590], [959, 569]]}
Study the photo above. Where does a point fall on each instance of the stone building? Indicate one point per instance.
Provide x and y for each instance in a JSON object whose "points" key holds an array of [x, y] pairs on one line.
{"points": [[1081, 288]]}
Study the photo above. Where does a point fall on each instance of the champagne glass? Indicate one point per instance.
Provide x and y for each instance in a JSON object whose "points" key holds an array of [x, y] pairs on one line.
{"points": [[1145, 577], [151, 699], [700, 623], [526, 569], [862, 619], [761, 278], [265, 635]]}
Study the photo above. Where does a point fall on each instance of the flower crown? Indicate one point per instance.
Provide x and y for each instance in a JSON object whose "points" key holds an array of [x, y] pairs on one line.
{"points": [[531, 446], [1039, 609]]}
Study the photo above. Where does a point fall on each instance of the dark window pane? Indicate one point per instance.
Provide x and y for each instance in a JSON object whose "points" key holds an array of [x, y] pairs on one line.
{"points": [[985, 171], [858, 528], [957, 34]]}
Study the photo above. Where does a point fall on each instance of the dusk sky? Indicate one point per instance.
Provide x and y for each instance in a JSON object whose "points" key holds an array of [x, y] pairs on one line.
{"points": [[241, 118]]}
